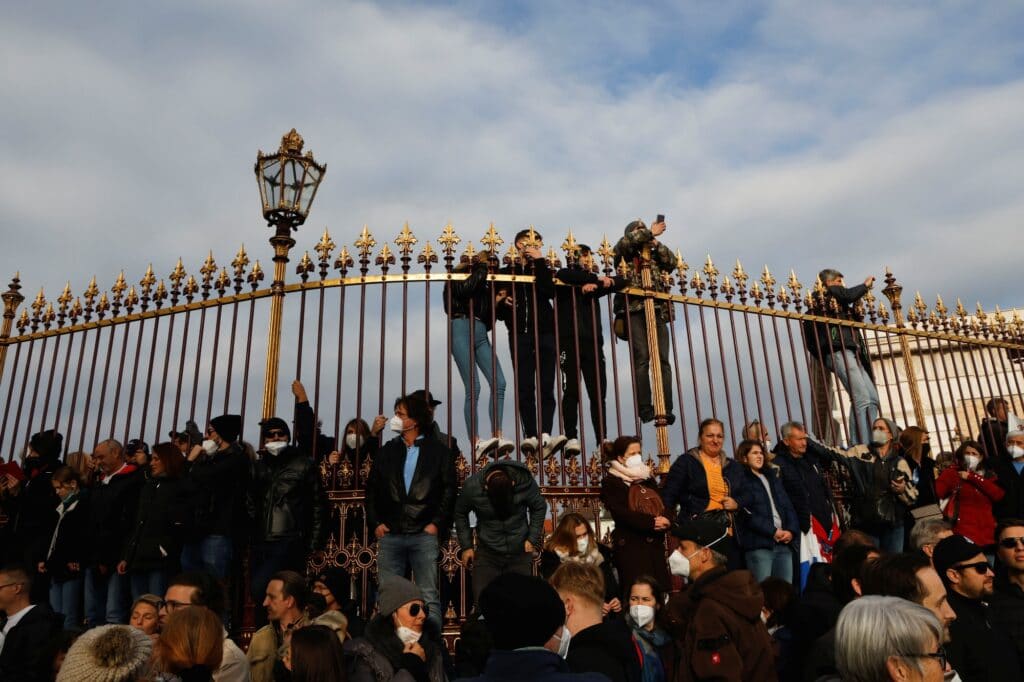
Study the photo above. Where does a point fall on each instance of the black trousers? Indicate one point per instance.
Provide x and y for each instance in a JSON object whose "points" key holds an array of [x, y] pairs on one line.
{"points": [[526, 355], [642, 362], [592, 371]]}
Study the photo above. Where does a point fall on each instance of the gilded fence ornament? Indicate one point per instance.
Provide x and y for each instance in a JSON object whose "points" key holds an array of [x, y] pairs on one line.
{"points": [[146, 284], [461, 469], [448, 241], [405, 241], [365, 245], [571, 248], [343, 262], [102, 306], [573, 471], [595, 470], [160, 295], [48, 316], [324, 248], [131, 299], [741, 278], [118, 293], [90, 294], [697, 284], [711, 272], [176, 276], [241, 260], [872, 309], [304, 267], [999, 321], [728, 290], [37, 309], [364, 471], [532, 240], [64, 300], [981, 318], [427, 257], [255, 275], [757, 294], [553, 261], [207, 271], [783, 297], [23, 321], [223, 282], [1017, 324], [912, 317], [385, 258], [469, 254], [623, 268], [76, 311], [553, 471], [667, 280], [607, 255], [190, 288], [512, 256], [492, 240], [450, 561]]}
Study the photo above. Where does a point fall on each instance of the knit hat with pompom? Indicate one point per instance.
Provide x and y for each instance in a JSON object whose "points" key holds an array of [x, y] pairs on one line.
{"points": [[109, 653]]}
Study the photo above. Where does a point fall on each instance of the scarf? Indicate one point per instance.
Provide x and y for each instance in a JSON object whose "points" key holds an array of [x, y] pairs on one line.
{"points": [[593, 556], [629, 474]]}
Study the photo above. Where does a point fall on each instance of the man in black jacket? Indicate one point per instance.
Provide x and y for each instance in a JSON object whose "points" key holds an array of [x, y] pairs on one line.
{"points": [[581, 344], [1007, 602], [410, 496], [113, 502], [288, 506], [977, 649], [25, 638], [526, 311], [1010, 476], [841, 350], [219, 469], [994, 428]]}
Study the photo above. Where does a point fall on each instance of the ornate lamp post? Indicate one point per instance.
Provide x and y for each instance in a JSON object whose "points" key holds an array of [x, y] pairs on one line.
{"points": [[288, 181]]}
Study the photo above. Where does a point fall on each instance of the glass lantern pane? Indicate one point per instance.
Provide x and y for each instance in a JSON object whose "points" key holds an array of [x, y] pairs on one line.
{"points": [[309, 186], [271, 181], [292, 176]]}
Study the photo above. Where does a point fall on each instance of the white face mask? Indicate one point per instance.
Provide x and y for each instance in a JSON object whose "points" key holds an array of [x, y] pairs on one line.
{"points": [[582, 544], [1016, 451], [634, 461], [210, 447], [354, 441], [641, 614], [879, 437], [396, 424], [563, 643], [407, 635], [679, 564], [972, 462], [275, 446]]}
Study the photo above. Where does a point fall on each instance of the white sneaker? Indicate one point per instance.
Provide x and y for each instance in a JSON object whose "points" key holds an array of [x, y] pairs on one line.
{"points": [[572, 447], [528, 445], [552, 444], [505, 447], [484, 446]]}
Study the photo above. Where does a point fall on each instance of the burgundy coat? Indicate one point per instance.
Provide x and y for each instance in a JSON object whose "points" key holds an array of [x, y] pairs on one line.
{"points": [[637, 549]]}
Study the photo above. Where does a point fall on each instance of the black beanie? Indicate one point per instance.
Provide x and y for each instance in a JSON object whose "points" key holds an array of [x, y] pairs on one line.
{"points": [[47, 444], [336, 580], [227, 426], [275, 423], [521, 611]]}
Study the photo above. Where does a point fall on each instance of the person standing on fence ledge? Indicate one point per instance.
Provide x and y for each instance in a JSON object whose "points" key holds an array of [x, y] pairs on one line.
{"points": [[630, 249], [288, 506], [581, 344], [509, 522], [994, 428], [841, 350], [219, 468], [526, 311], [410, 497]]}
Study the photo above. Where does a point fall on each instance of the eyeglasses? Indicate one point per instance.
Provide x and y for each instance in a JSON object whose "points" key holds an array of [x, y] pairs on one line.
{"points": [[172, 605], [939, 656], [980, 567], [414, 610], [1011, 543]]}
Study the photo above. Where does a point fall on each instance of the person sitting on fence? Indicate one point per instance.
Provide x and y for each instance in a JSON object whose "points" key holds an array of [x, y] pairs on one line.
{"points": [[841, 349], [401, 643], [289, 505], [410, 497], [219, 468], [469, 306], [992, 434], [972, 490], [581, 344], [509, 510], [630, 249], [574, 540], [630, 493], [526, 311]]}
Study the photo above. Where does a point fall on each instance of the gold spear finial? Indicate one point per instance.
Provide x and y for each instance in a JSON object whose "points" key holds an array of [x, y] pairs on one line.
{"points": [[365, 243], [569, 246], [681, 265], [606, 252], [405, 240], [448, 240], [325, 246], [739, 275], [492, 240], [469, 254], [767, 279], [710, 271], [428, 255]]}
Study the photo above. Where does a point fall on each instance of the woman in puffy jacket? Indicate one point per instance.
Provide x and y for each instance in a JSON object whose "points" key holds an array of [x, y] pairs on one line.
{"points": [[469, 308], [767, 526], [153, 552], [971, 488]]}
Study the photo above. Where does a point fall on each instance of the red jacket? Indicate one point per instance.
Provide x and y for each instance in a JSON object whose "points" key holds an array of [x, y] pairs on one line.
{"points": [[976, 496]]}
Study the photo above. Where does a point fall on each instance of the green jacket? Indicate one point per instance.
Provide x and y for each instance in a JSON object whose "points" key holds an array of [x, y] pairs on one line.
{"points": [[629, 248], [502, 536]]}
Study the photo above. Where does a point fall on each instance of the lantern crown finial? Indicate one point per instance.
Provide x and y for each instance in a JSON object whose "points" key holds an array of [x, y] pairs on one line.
{"points": [[291, 142]]}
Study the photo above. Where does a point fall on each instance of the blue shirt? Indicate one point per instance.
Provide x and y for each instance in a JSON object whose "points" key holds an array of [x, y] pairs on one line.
{"points": [[412, 456], [1018, 466]]}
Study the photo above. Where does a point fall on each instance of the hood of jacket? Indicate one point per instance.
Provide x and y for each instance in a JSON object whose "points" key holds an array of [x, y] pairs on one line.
{"points": [[735, 590], [516, 470]]}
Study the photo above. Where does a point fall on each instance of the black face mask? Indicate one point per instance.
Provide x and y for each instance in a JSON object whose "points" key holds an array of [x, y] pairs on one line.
{"points": [[33, 462], [925, 449], [500, 493]]}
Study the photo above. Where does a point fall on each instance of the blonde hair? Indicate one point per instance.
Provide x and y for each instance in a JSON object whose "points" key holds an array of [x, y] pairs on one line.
{"points": [[583, 580]]}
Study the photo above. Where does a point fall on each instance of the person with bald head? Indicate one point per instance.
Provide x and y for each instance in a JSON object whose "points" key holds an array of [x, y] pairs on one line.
{"points": [[113, 503]]}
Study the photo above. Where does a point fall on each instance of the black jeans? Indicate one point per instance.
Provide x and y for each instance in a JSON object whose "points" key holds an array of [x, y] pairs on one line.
{"points": [[489, 565], [526, 360], [642, 362], [593, 373]]}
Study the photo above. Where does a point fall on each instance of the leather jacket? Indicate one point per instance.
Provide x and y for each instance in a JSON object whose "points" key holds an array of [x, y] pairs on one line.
{"points": [[430, 498], [474, 289], [287, 499], [532, 305]]}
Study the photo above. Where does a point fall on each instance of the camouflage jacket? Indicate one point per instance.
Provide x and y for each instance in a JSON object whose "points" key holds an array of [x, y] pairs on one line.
{"points": [[630, 247]]}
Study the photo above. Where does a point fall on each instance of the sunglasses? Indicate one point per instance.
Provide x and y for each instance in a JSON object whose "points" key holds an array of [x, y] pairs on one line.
{"points": [[980, 567], [414, 610], [1011, 543]]}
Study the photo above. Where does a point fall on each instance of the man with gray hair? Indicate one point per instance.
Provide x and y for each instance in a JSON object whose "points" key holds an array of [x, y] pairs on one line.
{"points": [[1009, 472], [112, 505], [888, 638], [841, 350], [927, 533]]}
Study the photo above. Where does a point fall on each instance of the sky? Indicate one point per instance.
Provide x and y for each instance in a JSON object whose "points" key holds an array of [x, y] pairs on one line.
{"points": [[793, 134], [801, 135]]}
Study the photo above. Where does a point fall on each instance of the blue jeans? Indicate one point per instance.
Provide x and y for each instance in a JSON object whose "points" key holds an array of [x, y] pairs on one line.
{"points": [[771, 563], [484, 358], [864, 404], [66, 598], [890, 540], [211, 554], [416, 551], [149, 582], [106, 598]]}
